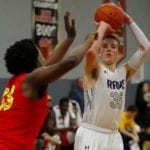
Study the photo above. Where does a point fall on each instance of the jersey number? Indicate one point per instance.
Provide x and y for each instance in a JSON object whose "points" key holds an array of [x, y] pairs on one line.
{"points": [[7, 99], [116, 100]]}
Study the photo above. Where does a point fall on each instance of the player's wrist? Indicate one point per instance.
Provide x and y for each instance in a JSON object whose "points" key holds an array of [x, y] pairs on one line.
{"points": [[130, 20], [103, 27], [69, 38]]}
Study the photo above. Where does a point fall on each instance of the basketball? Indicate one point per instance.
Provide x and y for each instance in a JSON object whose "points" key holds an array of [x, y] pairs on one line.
{"points": [[110, 13]]}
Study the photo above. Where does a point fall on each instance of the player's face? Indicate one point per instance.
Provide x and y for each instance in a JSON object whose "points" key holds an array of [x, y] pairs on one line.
{"points": [[131, 115], [64, 108], [109, 51]]}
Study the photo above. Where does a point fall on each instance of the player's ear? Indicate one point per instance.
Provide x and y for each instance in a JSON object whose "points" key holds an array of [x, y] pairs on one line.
{"points": [[119, 55]]}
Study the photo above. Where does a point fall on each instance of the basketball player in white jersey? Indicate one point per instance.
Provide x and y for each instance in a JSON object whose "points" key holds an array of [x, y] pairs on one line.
{"points": [[104, 88]]}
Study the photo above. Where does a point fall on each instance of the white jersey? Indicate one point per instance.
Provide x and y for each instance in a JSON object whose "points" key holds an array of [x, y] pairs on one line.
{"points": [[104, 102]]}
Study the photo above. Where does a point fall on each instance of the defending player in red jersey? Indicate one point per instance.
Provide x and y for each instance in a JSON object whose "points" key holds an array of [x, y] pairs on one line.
{"points": [[23, 106]]}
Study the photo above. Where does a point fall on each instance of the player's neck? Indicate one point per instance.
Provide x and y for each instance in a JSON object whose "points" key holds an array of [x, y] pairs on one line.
{"points": [[110, 67]]}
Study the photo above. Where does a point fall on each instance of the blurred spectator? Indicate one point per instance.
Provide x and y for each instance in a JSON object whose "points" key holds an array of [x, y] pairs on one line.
{"points": [[77, 112], [48, 140], [64, 124], [143, 116], [77, 93], [70, 109], [127, 127], [73, 109], [133, 136], [143, 103]]}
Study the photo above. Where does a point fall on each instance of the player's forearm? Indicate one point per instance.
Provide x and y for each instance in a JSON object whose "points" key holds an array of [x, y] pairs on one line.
{"points": [[60, 51], [93, 51], [91, 61], [69, 62], [79, 52], [139, 35], [125, 132], [98, 41], [139, 57]]}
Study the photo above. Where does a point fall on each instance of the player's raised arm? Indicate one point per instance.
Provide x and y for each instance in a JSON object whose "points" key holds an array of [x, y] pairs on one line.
{"points": [[92, 62], [42, 76], [60, 51], [139, 57]]}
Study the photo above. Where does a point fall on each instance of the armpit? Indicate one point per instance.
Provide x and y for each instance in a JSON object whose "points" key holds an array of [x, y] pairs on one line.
{"points": [[95, 73]]}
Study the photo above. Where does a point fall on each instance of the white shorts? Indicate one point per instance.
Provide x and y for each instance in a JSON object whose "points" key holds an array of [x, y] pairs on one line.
{"points": [[90, 139]]}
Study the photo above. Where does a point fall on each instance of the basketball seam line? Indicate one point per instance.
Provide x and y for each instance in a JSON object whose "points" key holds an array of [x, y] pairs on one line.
{"points": [[109, 17]]}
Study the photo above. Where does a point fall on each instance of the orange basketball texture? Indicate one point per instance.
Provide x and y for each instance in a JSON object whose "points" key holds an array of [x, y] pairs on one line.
{"points": [[111, 14]]}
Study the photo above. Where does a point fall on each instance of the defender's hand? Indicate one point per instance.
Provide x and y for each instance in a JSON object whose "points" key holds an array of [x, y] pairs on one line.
{"points": [[69, 25]]}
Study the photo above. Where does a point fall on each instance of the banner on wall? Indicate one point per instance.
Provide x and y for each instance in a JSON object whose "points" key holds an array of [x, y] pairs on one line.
{"points": [[121, 32], [45, 21]]}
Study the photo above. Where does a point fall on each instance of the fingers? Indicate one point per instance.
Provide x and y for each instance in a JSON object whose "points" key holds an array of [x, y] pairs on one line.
{"points": [[128, 19], [66, 16], [69, 25], [96, 23], [105, 25], [121, 8], [119, 4], [73, 22]]}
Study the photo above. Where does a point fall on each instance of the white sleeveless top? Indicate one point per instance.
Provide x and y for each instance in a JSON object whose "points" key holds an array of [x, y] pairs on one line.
{"points": [[61, 123], [104, 102]]}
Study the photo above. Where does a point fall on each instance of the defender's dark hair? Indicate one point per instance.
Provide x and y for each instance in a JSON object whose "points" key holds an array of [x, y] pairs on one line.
{"points": [[109, 36], [21, 57]]}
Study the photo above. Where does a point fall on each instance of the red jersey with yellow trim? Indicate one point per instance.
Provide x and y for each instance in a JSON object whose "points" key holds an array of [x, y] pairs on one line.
{"points": [[20, 118]]}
